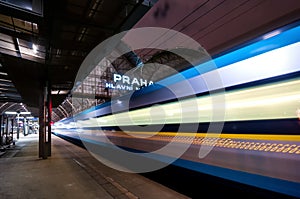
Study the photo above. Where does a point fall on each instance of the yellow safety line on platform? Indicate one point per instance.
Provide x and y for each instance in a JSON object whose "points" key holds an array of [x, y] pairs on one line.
{"points": [[228, 136]]}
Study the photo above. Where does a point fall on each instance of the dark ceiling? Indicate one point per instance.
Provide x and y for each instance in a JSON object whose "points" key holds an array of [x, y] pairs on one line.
{"points": [[48, 42], [65, 31]]}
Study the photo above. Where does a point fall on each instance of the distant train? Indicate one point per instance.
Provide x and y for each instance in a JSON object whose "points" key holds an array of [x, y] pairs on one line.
{"points": [[249, 120]]}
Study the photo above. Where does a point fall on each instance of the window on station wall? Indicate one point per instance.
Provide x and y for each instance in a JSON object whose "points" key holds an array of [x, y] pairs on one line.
{"points": [[18, 24]]}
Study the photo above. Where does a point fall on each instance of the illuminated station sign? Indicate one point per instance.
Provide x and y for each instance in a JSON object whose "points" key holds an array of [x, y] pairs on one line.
{"points": [[123, 82]]}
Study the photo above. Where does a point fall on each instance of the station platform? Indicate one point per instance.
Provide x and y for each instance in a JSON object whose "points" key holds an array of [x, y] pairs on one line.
{"points": [[70, 172]]}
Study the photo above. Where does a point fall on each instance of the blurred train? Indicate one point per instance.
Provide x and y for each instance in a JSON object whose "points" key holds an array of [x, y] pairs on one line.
{"points": [[244, 128]]}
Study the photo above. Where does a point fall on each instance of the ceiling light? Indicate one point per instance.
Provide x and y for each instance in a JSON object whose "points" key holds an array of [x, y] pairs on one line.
{"points": [[5, 80], [34, 48], [54, 92], [62, 92], [10, 113], [25, 113]]}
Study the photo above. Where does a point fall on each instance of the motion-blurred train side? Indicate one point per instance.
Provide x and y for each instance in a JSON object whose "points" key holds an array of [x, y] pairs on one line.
{"points": [[259, 141]]}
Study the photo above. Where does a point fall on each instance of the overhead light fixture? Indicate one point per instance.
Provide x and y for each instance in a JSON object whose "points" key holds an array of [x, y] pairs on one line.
{"points": [[25, 113], [62, 92], [5, 80], [10, 112], [2, 73], [34, 48], [54, 92]]}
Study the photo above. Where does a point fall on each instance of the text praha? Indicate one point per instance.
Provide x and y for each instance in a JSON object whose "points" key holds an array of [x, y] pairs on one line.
{"points": [[123, 82]]}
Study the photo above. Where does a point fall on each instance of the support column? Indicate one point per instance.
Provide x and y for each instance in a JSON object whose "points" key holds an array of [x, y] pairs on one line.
{"points": [[6, 130], [25, 128], [49, 118], [12, 131], [45, 123], [1, 131], [42, 125], [18, 126]]}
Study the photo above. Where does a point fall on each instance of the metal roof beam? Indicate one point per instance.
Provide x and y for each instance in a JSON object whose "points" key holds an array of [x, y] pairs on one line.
{"points": [[20, 13]]}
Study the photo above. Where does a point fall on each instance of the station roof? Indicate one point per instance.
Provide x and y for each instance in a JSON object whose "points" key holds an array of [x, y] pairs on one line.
{"points": [[48, 40], [51, 39]]}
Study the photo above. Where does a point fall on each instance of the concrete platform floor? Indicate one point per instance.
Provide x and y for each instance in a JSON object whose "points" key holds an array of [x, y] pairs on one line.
{"points": [[70, 172]]}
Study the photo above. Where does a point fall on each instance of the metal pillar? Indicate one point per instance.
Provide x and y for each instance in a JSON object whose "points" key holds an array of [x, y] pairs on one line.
{"points": [[45, 124], [1, 130], [25, 129], [42, 129], [18, 127], [6, 130], [49, 118], [12, 130]]}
